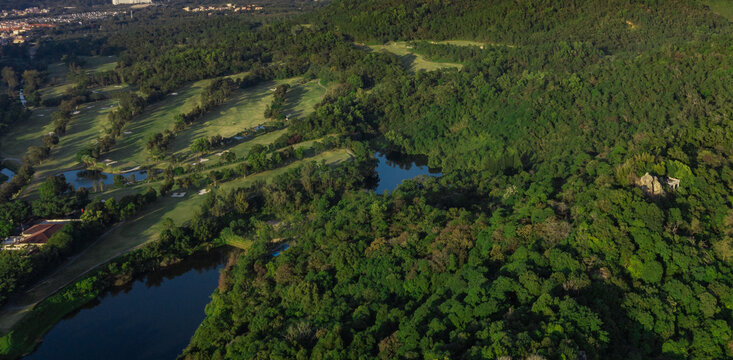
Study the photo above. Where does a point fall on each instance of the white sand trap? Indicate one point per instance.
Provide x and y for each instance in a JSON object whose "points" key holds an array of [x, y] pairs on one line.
{"points": [[127, 132], [77, 112], [178, 195], [174, 94], [204, 191]]}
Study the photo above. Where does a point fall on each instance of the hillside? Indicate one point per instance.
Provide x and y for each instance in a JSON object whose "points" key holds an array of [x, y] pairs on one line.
{"points": [[538, 241], [575, 202]]}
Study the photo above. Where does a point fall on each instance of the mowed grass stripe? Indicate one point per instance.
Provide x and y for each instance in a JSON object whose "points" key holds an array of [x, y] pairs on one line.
{"points": [[411, 60], [130, 149], [246, 110]]}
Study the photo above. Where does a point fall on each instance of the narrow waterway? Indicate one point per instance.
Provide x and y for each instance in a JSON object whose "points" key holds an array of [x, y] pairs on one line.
{"points": [[394, 168], [152, 318]]}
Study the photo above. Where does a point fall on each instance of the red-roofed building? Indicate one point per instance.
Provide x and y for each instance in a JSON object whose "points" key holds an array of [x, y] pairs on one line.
{"points": [[39, 234]]}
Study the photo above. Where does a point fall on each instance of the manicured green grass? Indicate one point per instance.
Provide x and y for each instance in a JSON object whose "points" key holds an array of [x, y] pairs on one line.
{"points": [[99, 63], [57, 71], [130, 149], [83, 130], [22, 135], [50, 92], [411, 60], [722, 7], [246, 110], [459, 42], [243, 148], [469, 43]]}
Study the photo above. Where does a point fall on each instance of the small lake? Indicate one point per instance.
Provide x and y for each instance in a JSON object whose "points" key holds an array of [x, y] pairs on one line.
{"points": [[7, 172], [394, 167], [87, 178], [152, 318]]}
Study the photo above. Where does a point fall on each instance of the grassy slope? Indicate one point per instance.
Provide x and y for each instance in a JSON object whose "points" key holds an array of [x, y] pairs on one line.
{"points": [[411, 60], [58, 72], [15, 143], [246, 110], [722, 7], [29, 133], [130, 149], [83, 129], [99, 63]]}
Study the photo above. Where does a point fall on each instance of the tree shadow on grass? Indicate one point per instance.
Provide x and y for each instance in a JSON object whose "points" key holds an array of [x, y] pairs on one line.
{"points": [[294, 97]]}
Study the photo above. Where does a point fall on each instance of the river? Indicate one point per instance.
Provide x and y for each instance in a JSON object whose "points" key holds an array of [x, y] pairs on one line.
{"points": [[152, 318], [395, 167]]}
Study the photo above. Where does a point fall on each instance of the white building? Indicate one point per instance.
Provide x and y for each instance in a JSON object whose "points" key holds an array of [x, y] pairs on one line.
{"points": [[131, 2]]}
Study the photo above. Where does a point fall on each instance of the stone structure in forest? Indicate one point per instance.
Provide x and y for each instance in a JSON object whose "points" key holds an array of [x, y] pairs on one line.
{"points": [[651, 185]]}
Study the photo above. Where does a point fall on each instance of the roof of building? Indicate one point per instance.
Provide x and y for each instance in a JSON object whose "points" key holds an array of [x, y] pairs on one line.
{"points": [[39, 234]]}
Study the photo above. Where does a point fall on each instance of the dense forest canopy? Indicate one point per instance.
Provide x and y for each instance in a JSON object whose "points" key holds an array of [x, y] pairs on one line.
{"points": [[537, 241], [540, 240], [604, 24]]}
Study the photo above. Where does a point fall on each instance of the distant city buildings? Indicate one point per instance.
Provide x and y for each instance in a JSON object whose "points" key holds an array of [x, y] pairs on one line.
{"points": [[24, 12], [131, 2], [15, 31], [227, 7]]}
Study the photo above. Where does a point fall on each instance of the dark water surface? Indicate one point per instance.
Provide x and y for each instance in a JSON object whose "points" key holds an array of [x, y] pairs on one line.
{"points": [[152, 318], [87, 178], [7, 172], [395, 167]]}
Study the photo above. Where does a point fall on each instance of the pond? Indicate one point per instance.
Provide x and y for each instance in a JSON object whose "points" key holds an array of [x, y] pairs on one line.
{"points": [[394, 167], [87, 178], [279, 250], [8, 173], [152, 318]]}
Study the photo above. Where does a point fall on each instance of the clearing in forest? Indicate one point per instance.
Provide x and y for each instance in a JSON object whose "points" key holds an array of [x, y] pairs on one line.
{"points": [[84, 129], [28, 133], [246, 109], [723, 8], [410, 59], [130, 148], [81, 132], [58, 74]]}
